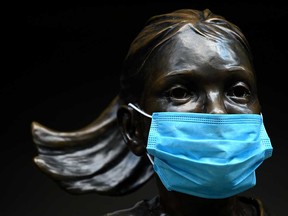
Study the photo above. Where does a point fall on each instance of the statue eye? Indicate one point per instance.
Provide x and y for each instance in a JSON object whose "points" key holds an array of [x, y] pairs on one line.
{"points": [[239, 92], [179, 94]]}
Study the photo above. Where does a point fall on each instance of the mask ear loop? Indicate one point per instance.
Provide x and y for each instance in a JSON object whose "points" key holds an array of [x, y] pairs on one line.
{"points": [[139, 110], [150, 158], [147, 115]]}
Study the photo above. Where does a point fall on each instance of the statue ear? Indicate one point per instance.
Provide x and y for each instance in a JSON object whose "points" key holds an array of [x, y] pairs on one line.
{"points": [[130, 130]]}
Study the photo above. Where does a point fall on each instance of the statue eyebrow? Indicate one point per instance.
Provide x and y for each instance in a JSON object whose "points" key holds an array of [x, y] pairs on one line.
{"points": [[165, 80], [237, 68], [174, 73], [179, 72]]}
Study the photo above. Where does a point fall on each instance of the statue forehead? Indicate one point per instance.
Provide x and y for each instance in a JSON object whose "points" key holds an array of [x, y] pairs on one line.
{"points": [[188, 47]]}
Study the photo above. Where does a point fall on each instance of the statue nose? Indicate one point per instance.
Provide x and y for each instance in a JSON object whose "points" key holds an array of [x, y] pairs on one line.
{"points": [[214, 103]]}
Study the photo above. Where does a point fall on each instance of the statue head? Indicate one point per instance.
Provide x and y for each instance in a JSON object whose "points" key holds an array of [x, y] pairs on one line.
{"points": [[187, 60]]}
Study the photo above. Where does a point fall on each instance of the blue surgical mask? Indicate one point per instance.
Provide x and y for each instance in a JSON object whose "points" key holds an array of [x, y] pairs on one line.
{"points": [[207, 155]]}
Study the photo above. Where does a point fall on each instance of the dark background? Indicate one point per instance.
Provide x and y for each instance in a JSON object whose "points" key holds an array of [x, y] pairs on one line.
{"points": [[62, 69]]}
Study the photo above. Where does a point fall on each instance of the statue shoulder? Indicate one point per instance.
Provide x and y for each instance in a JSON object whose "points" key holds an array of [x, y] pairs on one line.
{"points": [[142, 208]]}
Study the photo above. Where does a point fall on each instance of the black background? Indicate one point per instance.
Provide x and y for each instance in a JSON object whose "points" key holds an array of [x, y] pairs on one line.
{"points": [[61, 69]]}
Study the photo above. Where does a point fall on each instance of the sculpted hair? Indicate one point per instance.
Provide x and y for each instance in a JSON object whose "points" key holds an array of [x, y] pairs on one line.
{"points": [[159, 30], [95, 158]]}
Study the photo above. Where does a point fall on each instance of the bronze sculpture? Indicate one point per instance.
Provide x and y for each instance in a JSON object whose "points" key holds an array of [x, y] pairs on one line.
{"points": [[84, 160]]}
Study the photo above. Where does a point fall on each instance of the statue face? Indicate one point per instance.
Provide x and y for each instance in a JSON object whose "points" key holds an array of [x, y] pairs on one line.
{"points": [[200, 75], [191, 73]]}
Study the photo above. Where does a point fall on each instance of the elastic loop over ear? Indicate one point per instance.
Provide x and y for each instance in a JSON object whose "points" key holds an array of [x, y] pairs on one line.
{"points": [[139, 110]]}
